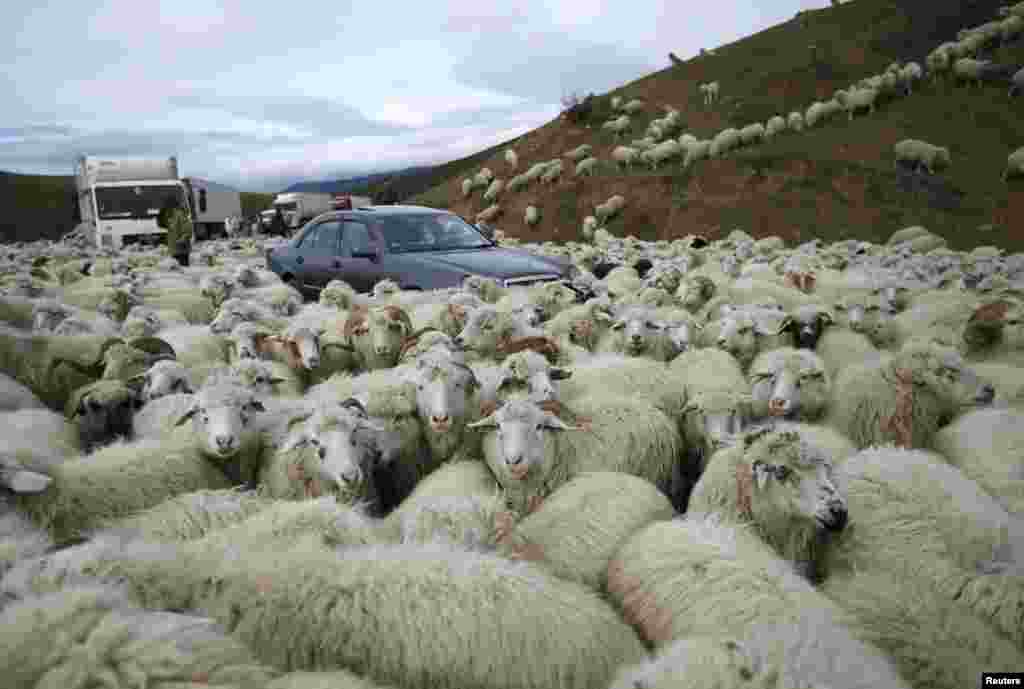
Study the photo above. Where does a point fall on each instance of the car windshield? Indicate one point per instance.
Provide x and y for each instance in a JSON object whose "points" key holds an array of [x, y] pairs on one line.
{"points": [[289, 206], [429, 232], [136, 202]]}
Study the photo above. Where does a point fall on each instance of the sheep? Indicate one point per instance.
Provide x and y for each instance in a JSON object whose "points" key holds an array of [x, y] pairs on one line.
{"points": [[128, 476], [618, 126], [840, 348], [969, 70], [752, 133], [236, 310], [376, 335], [494, 334], [333, 449], [166, 377], [268, 379], [624, 156], [94, 634], [48, 317], [487, 289], [587, 166], [634, 106], [705, 575], [920, 153], [491, 599], [789, 383], [905, 398], [582, 325], [710, 91], [816, 112], [14, 396], [531, 215], [467, 187], [526, 448], [795, 121], [143, 321], [511, 159], [986, 445], [661, 152], [605, 211], [745, 333], [488, 214], [483, 178], [857, 98], [552, 173], [637, 332], [1014, 165], [920, 518], [583, 523], [103, 412], [494, 190], [726, 140], [579, 153], [775, 126]]}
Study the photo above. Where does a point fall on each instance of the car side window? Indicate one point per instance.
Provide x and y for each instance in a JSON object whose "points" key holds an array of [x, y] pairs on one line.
{"points": [[356, 238], [327, 239], [308, 239]]}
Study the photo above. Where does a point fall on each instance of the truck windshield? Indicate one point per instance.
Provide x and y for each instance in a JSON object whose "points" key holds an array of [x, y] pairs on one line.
{"points": [[433, 232], [291, 206], [135, 202]]}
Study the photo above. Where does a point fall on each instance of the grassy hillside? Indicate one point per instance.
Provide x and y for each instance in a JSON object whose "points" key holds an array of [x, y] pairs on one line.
{"points": [[835, 181]]}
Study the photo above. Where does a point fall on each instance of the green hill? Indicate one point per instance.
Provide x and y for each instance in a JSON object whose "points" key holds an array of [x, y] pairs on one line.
{"points": [[835, 181]]}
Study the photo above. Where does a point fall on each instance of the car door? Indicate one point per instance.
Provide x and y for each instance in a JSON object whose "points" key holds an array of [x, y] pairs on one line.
{"points": [[318, 254], [355, 265]]}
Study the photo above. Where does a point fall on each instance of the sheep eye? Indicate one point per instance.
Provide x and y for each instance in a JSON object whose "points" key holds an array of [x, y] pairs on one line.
{"points": [[540, 427], [315, 442]]}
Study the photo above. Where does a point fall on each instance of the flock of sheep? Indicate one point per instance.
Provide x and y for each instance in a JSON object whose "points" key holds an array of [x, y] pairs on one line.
{"points": [[694, 464], [663, 142], [711, 464]]}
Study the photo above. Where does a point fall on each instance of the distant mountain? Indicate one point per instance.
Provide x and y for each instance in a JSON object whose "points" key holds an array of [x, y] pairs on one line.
{"points": [[353, 184]]}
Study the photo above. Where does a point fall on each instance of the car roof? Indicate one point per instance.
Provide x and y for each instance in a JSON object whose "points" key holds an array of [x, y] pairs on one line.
{"points": [[394, 210]]}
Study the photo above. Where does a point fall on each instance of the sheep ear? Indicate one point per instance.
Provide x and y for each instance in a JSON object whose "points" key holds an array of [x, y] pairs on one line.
{"points": [[826, 318], [786, 324], [557, 373], [137, 383], [355, 406], [277, 381], [618, 325], [556, 424], [23, 481], [254, 405], [602, 317]]}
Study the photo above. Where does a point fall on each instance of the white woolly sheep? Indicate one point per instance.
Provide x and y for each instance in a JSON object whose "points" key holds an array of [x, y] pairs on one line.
{"points": [[467, 187], [531, 216], [609, 208], [969, 70], [511, 159], [518, 182], [616, 102], [491, 599], [795, 121], [618, 126], [857, 98], [14, 396], [905, 398], [920, 153], [579, 153], [494, 190], [552, 173], [752, 133], [494, 334], [376, 336], [164, 378], [724, 141], [638, 332], [666, 150], [634, 106], [530, 453], [1014, 165], [587, 166], [710, 91], [775, 126], [840, 348], [624, 156]]}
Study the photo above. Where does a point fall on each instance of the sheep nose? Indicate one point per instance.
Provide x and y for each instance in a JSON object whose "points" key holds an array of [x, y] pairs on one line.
{"points": [[987, 394], [515, 460], [838, 516], [777, 406], [224, 442], [321, 452]]}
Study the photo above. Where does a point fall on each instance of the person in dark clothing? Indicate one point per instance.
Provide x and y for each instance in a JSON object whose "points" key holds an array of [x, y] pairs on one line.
{"points": [[277, 225], [175, 220]]}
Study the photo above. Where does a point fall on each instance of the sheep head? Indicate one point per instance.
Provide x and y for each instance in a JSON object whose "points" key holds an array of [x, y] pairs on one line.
{"points": [[522, 446], [377, 334], [789, 383], [444, 387], [786, 486], [942, 371], [103, 411], [221, 417], [46, 316], [808, 323], [164, 377], [339, 294], [637, 329], [694, 292], [339, 449]]}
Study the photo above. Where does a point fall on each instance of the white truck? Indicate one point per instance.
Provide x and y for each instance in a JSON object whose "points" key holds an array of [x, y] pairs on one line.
{"points": [[121, 197], [342, 202], [300, 206], [211, 205]]}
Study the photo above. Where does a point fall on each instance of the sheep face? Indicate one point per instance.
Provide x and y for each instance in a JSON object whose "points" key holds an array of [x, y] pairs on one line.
{"points": [[229, 316], [378, 335], [73, 325], [808, 323], [738, 335], [791, 486], [141, 323], [221, 419], [943, 371], [683, 335], [165, 378], [790, 384], [443, 390], [116, 305], [530, 373], [304, 344], [530, 314], [693, 293], [637, 330], [104, 411], [338, 294], [341, 450], [860, 314], [216, 288], [521, 428]]}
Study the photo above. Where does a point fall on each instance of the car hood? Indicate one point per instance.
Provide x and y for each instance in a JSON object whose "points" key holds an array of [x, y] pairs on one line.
{"points": [[491, 262]]}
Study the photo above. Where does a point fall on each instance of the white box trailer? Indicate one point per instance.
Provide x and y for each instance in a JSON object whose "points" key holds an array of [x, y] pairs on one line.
{"points": [[300, 206], [212, 204], [121, 197]]}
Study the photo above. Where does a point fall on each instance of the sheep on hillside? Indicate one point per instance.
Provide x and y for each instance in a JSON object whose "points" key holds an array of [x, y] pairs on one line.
{"points": [[531, 215], [710, 91], [1014, 165], [511, 159], [857, 98], [921, 154], [795, 121], [624, 156], [579, 153], [587, 166]]}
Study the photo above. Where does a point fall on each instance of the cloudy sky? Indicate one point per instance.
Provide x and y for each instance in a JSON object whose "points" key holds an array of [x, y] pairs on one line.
{"points": [[259, 95]]}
